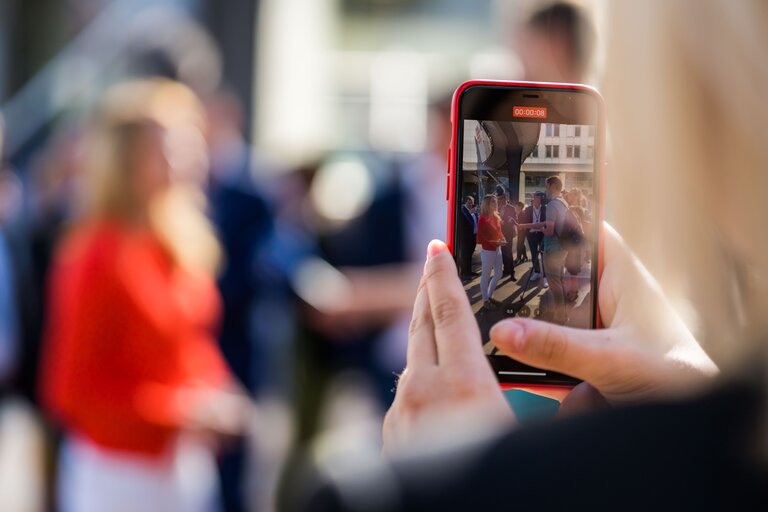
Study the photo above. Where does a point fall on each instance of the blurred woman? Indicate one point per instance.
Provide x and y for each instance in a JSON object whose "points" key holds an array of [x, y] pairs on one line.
{"points": [[574, 260], [131, 369], [490, 237]]}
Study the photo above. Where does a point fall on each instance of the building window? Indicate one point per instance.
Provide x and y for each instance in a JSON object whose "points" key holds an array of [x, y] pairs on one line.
{"points": [[548, 149], [577, 131], [555, 151], [539, 182], [569, 151], [590, 151], [535, 152], [549, 130], [557, 130], [577, 152]]}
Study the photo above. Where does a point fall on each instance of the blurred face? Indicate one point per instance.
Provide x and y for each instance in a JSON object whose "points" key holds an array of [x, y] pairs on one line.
{"points": [[551, 191], [544, 58], [536, 201], [470, 203], [187, 153], [151, 168], [439, 131]]}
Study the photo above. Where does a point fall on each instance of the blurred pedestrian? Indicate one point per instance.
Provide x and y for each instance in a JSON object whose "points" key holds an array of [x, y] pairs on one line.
{"points": [[258, 321], [534, 214], [522, 253], [131, 371], [554, 252], [508, 214], [10, 316], [556, 44], [574, 260]]}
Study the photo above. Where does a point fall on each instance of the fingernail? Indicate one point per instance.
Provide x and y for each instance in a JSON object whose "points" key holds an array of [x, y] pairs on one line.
{"points": [[510, 333], [435, 247]]}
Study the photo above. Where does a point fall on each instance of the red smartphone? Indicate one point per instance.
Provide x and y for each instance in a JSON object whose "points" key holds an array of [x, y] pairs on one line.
{"points": [[525, 174]]}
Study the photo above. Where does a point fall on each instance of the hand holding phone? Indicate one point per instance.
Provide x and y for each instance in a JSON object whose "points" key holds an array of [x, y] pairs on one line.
{"points": [[448, 389], [512, 143], [645, 351]]}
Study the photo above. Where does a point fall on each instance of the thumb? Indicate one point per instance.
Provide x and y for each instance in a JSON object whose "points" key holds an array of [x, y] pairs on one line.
{"points": [[580, 353]]}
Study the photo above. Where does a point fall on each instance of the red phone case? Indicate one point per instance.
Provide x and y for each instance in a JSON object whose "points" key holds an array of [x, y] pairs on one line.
{"points": [[452, 175]]}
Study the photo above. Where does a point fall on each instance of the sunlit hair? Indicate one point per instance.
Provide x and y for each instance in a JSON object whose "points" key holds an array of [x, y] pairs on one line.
{"points": [[127, 112], [687, 112], [555, 182], [490, 206]]}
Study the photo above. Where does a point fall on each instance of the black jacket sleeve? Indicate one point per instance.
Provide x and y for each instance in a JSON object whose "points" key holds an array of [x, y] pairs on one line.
{"points": [[693, 455]]}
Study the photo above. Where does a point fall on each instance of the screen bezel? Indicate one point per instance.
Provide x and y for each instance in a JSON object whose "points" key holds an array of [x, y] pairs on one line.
{"points": [[567, 104]]}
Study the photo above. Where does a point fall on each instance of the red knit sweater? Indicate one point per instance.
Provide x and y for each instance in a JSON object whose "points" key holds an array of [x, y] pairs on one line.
{"points": [[489, 231], [127, 330]]}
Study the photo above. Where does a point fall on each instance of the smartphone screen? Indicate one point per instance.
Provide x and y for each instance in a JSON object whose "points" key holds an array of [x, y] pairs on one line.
{"points": [[527, 210]]}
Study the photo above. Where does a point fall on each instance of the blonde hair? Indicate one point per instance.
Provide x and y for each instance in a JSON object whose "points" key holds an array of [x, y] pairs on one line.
{"points": [[128, 111], [487, 206], [685, 91]]}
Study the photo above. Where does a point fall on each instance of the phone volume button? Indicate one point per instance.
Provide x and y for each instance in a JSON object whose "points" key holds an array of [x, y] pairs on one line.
{"points": [[448, 174]]}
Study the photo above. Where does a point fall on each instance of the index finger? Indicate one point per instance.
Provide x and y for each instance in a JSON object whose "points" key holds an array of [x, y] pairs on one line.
{"points": [[421, 349], [457, 335]]}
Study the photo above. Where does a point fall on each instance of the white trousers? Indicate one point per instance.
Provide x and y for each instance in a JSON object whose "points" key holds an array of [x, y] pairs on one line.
{"points": [[491, 261], [95, 479]]}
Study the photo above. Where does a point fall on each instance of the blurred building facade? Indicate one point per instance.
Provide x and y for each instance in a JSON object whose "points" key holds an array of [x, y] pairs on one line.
{"points": [[56, 56], [359, 74]]}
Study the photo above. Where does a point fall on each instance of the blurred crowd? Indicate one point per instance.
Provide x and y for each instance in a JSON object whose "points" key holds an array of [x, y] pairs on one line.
{"points": [[173, 324], [520, 236]]}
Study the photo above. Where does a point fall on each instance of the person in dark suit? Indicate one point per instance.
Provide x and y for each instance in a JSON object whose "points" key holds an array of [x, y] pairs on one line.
{"points": [[533, 214], [19, 331], [508, 214], [467, 236], [245, 224], [522, 254]]}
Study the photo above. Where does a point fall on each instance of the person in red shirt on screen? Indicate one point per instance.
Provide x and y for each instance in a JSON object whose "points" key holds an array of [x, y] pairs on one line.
{"points": [[132, 372], [490, 237]]}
